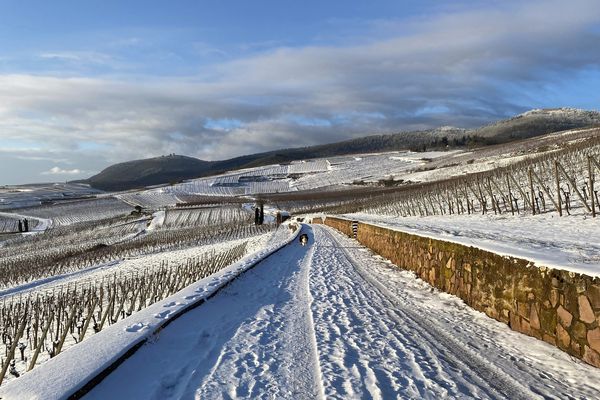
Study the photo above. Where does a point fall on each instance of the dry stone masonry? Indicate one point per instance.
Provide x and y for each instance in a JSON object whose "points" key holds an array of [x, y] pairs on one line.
{"points": [[557, 306]]}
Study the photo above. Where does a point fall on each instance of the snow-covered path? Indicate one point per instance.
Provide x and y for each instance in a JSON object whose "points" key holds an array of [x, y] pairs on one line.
{"points": [[43, 224], [330, 320], [246, 342]]}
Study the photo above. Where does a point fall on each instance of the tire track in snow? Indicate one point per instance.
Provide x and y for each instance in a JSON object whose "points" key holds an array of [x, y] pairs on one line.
{"points": [[362, 351], [431, 361], [252, 340], [330, 321], [540, 370], [281, 343]]}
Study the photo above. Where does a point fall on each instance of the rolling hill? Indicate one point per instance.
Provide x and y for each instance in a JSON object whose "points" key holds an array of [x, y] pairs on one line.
{"points": [[165, 169]]}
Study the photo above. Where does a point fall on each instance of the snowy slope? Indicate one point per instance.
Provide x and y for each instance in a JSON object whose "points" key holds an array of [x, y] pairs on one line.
{"points": [[67, 373], [332, 321], [571, 243]]}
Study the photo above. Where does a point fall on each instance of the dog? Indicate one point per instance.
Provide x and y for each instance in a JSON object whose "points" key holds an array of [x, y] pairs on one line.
{"points": [[303, 239]]}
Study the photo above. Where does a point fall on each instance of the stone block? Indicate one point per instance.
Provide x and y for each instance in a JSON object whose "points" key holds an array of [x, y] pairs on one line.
{"points": [[547, 304], [586, 314], [564, 317], [580, 286], [593, 338], [591, 357], [579, 331], [564, 340], [515, 322], [593, 294], [523, 309], [534, 320], [525, 326], [549, 339]]}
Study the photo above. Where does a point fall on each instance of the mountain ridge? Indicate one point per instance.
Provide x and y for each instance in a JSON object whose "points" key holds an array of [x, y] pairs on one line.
{"points": [[172, 168]]}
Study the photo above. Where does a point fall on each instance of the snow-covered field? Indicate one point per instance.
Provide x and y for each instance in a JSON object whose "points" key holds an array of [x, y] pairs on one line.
{"points": [[571, 243], [131, 265], [69, 213], [302, 175], [62, 376], [17, 196], [329, 320], [332, 321]]}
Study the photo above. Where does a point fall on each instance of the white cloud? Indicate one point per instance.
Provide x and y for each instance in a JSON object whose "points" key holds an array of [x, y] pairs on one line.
{"points": [[473, 65], [60, 171]]}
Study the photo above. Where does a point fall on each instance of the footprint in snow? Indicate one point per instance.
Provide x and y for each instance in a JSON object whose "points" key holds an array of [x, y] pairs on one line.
{"points": [[171, 304], [162, 315], [136, 327]]}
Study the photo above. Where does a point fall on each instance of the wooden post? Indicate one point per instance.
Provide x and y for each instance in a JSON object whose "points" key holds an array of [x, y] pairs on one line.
{"points": [[11, 352], [573, 183], [559, 203], [483, 202], [544, 189], [526, 200], [40, 343], [591, 181], [510, 197], [531, 189], [66, 331], [495, 205], [493, 182], [88, 319]]}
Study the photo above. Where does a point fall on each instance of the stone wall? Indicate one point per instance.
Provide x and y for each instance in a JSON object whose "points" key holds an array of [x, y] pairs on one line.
{"points": [[342, 225], [559, 307]]}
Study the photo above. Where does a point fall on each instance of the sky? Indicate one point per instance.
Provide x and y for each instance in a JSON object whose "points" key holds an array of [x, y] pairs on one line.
{"points": [[86, 84]]}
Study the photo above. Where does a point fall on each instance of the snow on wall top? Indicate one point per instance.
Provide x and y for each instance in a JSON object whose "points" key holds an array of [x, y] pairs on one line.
{"points": [[569, 243]]}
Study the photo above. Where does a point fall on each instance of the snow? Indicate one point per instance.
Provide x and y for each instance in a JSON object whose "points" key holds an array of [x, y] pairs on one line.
{"points": [[65, 374], [42, 225], [96, 272], [19, 196], [158, 219], [62, 278], [256, 332], [333, 321], [299, 175], [570, 243], [68, 213]]}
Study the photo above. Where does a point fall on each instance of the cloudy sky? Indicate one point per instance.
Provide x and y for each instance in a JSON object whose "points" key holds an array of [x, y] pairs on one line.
{"points": [[84, 84]]}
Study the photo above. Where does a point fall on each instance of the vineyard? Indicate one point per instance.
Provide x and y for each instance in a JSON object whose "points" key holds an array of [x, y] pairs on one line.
{"points": [[206, 216], [67, 249], [560, 181], [297, 176], [69, 213], [9, 224], [12, 197], [43, 324], [150, 199], [63, 249], [98, 262]]}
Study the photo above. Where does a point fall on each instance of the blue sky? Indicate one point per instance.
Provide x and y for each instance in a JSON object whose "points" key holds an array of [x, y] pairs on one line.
{"points": [[87, 84]]}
